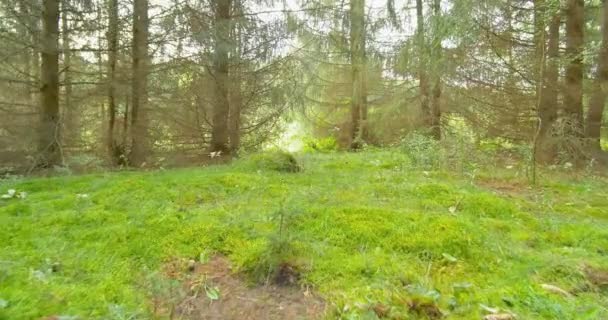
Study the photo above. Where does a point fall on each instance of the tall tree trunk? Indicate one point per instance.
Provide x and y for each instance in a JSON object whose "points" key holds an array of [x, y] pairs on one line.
{"points": [[573, 99], [436, 57], [49, 146], [37, 43], [112, 36], [511, 89], [26, 32], [139, 134], [69, 114], [236, 96], [221, 105], [539, 40], [598, 98], [102, 71], [422, 66], [547, 111], [358, 66]]}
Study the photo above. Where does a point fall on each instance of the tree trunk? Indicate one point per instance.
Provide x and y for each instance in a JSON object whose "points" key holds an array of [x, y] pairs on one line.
{"points": [[358, 66], [26, 31], [539, 40], [235, 116], [49, 146], [598, 98], [139, 135], [112, 36], [422, 66], [436, 56], [236, 96], [221, 105], [69, 114], [547, 111], [573, 99]]}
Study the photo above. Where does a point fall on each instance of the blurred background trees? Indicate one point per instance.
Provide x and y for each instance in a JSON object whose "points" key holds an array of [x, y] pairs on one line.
{"points": [[165, 82]]}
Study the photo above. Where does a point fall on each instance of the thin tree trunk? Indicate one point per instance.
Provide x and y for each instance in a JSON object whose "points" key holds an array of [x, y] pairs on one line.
{"points": [[436, 50], [364, 104], [221, 106], [28, 53], [547, 112], [598, 98], [36, 41], [539, 44], [235, 116], [573, 99], [422, 66], [139, 147], [357, 51], [236, 97], [49, 146], [70, 114], [125, 123], [112, 56]]}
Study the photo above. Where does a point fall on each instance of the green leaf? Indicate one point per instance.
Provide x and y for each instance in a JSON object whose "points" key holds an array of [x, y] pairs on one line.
{"points": [[3, 304], [213, 293], [449, 257]]}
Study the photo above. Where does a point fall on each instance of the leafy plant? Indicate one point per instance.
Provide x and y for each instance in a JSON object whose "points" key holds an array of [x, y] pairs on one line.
{"points": [[423, 150]]}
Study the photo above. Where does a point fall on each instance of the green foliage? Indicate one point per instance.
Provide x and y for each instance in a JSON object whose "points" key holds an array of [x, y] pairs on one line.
{"points": [[365, 230], [327, 144], [423, 150]]}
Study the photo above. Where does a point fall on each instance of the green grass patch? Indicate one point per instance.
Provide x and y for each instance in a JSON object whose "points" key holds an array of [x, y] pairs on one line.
{"points": [[366, 230]]}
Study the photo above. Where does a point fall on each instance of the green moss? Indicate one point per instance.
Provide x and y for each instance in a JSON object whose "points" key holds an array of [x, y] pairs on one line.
{"points": [[280, 161], [488, 205], [364, 227]]}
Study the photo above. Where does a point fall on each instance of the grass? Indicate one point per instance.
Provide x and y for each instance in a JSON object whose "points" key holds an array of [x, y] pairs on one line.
{"points": [[366, 230]]}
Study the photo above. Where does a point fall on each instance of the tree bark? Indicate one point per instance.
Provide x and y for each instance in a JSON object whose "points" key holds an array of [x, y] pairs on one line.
{"points": [[547, 112], [436, 57], [539, 40], [236, 76], [221, 106], [573, 99], [139, 135], [69, 114], [358, 66], [49, 147], [28, 54], [423, 80], [112, 36], [235, 118], [598, 98]]}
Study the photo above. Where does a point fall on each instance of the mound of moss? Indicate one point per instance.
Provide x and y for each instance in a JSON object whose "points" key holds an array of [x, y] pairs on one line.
{"points": [[279, 161]]}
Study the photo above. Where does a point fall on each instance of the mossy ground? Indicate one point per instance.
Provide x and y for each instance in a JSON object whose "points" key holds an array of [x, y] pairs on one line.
{"points": [[367, 231]]}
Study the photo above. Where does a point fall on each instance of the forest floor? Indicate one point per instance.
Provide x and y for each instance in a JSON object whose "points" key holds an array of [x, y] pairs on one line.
{"points": [[352, 236]]}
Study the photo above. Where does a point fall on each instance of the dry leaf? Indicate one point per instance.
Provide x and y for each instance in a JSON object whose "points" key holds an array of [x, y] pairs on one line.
{"points": [[555, 289], [499, 316]]}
